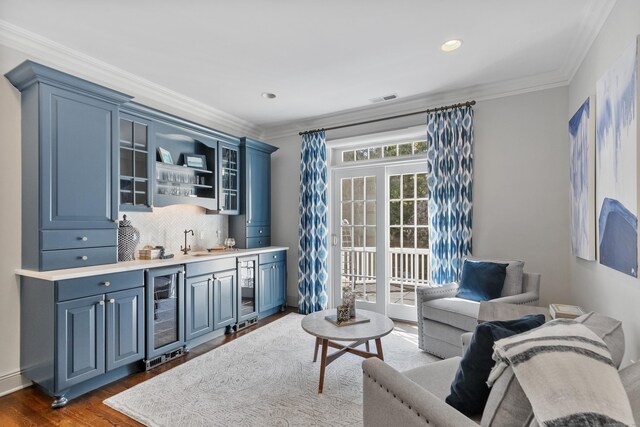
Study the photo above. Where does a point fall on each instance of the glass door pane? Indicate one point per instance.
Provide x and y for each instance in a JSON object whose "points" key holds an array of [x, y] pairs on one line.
{"points": [[165, 310], [247, 283], [408, 225]]}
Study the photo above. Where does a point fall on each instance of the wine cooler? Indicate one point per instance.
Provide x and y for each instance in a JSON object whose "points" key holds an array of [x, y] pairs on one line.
{"points": [[247, 292], [165, 315]]}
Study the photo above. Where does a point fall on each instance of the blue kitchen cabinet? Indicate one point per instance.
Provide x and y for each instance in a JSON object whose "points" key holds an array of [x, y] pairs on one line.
{"points": [[69, 166], [258, 192], [229, 179], [266, 296], [81, 340], [136, 155], [272, 282], [98, 334], [211, 302], [252, 227], [124, 327], [82, 333], [224, 298], [199, 306]]}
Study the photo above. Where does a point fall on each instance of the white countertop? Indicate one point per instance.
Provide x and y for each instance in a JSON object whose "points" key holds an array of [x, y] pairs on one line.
{"points": [[94, 270]]}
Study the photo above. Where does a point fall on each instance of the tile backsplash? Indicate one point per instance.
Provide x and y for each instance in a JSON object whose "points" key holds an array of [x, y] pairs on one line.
{"points": [[165, 227]]}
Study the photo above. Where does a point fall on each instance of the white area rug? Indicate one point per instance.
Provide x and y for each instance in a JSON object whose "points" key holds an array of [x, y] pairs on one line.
{"points": [[265, 378]]}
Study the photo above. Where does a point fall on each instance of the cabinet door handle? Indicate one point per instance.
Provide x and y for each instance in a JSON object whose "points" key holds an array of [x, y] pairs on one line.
{"points": [[84, 238], [84, 257], [260, 231], [100, 302], [112, 301], [106, 283], [249, 221], [275, 256]]}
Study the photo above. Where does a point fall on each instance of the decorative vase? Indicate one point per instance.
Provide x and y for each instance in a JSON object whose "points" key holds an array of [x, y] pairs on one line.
{"points": [[349, 299], [128, 239], [342, 314]]}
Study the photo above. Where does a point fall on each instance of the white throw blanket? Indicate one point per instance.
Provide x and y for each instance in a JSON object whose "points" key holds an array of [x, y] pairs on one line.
{"points": [[567, 373]]}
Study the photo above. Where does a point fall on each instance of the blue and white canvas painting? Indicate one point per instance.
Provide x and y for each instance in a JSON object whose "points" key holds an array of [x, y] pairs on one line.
{"points": [[617, 164], [582, 176]]}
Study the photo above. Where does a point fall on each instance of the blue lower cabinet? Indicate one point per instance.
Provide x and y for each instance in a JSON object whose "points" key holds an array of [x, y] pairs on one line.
{"points": [[266, 297], [199, 306], [81, 341], [125, 327], [224, 297], [272, 283], [280, 283]]}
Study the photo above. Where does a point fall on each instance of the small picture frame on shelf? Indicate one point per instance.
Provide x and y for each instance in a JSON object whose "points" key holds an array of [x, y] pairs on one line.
{"points": [[198, 161], [165, 156]]}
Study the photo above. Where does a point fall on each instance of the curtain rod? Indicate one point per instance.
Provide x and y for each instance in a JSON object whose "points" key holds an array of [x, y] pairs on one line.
{"points": [[430, 110]]}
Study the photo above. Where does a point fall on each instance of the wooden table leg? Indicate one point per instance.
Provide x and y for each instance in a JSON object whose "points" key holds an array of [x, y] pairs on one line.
{"points": [[315, 352], [323, 364], [379, 347], [367, 346]]}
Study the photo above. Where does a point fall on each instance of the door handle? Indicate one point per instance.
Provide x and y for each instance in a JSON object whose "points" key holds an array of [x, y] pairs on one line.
{"points": [[334, 239], [100, 302], [112, 301]]}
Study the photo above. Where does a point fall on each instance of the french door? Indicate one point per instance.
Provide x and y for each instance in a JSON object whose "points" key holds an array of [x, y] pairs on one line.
{"points": [[381, 236], [358, 225]]}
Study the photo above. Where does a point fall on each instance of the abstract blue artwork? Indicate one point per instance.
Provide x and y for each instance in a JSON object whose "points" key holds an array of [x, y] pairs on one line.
{"points": [[617, 164], [582, 176]]}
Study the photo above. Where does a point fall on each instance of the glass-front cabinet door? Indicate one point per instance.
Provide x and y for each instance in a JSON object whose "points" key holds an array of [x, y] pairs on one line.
{"points": [[229, 178], [134, 163]]}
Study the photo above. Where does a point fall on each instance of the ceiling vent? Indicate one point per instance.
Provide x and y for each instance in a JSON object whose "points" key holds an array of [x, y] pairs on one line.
{"points": [[384, 98]]}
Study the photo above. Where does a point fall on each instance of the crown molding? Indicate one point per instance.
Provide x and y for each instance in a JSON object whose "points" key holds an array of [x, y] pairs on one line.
{"points": [[79, 64], [594, 20], [419, 102]]}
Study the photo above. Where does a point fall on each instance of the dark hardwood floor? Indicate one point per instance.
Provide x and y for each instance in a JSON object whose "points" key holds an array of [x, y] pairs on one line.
{"points": [[32, 407]]}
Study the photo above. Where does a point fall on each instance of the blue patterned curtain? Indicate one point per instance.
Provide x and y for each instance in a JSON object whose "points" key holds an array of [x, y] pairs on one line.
{"points": [[449, 179], [312, 229]]}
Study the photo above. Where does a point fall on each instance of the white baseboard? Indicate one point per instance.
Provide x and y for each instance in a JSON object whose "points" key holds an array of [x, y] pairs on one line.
{"points": [[13, 382]]}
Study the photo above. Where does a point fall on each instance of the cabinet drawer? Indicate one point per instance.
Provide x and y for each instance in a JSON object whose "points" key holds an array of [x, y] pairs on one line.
{"points": [[103, 283], [257, 231], [71, 239], [272, 257], [258, 242], [208, 267], [72, 258]]}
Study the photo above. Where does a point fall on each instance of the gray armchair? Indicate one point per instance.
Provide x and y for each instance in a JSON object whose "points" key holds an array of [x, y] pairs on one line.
{"points": [[417, 397], [443, 318]]}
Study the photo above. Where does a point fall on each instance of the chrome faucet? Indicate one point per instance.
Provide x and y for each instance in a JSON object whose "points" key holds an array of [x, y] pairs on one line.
{"points": [[186, 248]]}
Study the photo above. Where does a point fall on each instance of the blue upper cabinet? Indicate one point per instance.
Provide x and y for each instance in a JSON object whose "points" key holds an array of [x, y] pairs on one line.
{"points": [[252, 228], [258, 190], [69, 165], [187, 163]]}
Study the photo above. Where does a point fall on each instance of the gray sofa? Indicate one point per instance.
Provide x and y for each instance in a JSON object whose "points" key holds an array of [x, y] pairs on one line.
{"points": [[443, 318], [416, 397]]}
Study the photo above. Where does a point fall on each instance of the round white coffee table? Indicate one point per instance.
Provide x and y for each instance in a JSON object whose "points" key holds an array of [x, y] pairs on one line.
{"points": [[326, 333]]}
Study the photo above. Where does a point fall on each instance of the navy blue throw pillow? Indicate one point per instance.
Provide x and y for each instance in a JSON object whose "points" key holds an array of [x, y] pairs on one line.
{"points": [[481, 280], [469, 390]]}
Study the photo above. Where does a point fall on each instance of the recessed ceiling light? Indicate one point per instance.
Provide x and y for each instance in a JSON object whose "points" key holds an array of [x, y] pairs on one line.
{"points": [[451, 45], [268, 95]]}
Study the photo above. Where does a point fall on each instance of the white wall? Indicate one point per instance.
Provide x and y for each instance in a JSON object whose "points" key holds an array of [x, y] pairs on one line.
{"points": [[595, 286], [521, 185], [10, 225]]}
